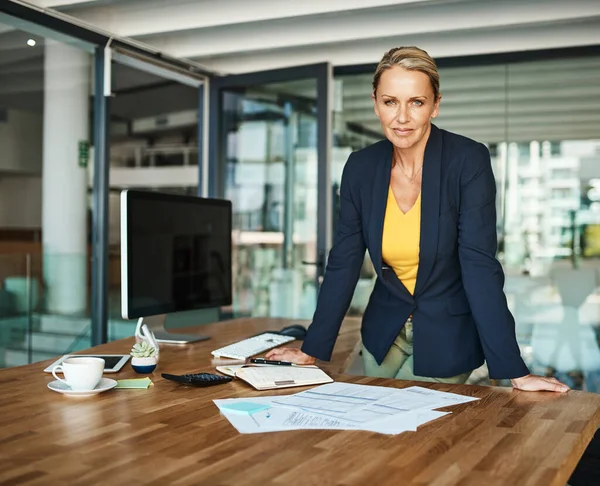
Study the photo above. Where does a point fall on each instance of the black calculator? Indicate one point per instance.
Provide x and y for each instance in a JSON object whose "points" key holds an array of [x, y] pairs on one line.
{"points": [[198, 379]]}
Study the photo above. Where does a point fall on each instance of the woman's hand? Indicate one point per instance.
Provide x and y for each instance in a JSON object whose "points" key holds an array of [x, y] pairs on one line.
{"points": [[292, 355], [539, 383]]}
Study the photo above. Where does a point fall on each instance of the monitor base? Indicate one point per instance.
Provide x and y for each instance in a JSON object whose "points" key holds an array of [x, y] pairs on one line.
{"points": [[157, 325], [170, 338]]}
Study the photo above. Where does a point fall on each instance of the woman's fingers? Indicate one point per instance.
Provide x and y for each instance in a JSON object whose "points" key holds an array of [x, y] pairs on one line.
{"points": [[290, 354], [540, 383], [274, 353]]}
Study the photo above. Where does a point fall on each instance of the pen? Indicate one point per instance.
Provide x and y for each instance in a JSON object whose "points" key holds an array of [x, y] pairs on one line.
{"points": [[270, 362]]}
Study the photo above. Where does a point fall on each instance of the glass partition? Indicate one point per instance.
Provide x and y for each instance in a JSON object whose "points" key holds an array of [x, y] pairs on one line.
{"points": [[46, 139], [155, 145], [271, 179], [270, 136]]}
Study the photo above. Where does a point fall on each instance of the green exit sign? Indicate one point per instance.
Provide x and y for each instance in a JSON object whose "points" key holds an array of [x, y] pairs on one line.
{"points": [[84, 153]]}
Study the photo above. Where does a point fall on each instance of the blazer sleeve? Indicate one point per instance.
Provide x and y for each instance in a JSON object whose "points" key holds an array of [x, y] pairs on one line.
{"points": [[343, 269], [482, 274]]}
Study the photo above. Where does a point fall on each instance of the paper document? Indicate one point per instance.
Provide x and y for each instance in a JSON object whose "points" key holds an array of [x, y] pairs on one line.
{"points": [[402, 422], [276, 418], [348, 401], [433, 399], [345, 406]]}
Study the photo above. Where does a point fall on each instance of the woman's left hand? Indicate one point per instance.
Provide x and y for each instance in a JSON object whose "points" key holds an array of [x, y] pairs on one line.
{"points": [[539, 383]]}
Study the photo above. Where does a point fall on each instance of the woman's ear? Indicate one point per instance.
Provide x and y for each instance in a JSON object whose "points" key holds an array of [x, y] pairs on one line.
{"points": [[375, 107], [436, 107]]}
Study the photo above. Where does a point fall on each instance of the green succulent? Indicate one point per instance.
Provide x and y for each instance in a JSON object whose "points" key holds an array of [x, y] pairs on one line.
{"points": [[143, 350]]}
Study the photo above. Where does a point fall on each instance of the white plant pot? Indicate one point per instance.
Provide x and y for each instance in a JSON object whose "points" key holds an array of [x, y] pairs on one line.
{"points": [[143, 365]]}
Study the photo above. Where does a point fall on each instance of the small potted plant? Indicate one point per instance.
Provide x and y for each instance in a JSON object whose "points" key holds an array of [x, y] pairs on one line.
{"points": [[143, 357]]}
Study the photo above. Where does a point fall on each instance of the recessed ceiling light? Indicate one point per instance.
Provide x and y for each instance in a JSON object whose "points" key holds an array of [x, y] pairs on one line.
{"points": [[31, 42]]}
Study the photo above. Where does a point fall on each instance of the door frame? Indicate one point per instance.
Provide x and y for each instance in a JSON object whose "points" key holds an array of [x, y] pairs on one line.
{"points": [[322, 73]]}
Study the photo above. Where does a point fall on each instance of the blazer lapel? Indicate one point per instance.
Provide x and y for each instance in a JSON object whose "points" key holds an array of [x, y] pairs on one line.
{"points": [[430, 205], [381, 186], [380, 194]]}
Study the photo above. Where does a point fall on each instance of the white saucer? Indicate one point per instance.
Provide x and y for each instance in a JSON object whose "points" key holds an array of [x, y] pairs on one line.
{"points": [[60, 387]]}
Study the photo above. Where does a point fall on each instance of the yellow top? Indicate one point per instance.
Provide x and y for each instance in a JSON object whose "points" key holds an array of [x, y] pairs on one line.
{"points": [[400, 240]]}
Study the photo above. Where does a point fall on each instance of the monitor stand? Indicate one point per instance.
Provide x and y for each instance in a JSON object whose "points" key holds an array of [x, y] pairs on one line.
{"points": [[157, 325]]}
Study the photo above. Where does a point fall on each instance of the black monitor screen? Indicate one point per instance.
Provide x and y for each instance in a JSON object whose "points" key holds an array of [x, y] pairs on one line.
{"points": [[176, 253]]}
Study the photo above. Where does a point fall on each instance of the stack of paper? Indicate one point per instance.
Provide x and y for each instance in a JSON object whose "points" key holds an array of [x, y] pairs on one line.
{"points": [[342, 406]]}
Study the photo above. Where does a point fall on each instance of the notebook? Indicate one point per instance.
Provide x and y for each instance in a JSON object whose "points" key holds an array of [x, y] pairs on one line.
{"points": [[268, 377]]}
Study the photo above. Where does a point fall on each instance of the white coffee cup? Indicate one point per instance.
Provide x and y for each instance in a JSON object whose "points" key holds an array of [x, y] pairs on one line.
{"points": [[81, 373]]}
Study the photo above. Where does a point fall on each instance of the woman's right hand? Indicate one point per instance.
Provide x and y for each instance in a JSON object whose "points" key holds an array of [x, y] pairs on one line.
{"points": [[292, 355]]}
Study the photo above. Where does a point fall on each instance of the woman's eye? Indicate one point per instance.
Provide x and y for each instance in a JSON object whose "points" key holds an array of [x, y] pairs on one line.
{"points": [[389, 102], [418, 103]]}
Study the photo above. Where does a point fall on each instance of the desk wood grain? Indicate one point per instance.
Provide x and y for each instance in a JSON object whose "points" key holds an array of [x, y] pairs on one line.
{"points": [[171, 434]]}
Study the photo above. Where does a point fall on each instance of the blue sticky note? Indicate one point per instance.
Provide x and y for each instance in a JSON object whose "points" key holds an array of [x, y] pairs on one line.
{"points": [[245, 407]]}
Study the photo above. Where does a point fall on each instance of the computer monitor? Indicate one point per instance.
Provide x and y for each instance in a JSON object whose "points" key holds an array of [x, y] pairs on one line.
{"points": [[175, 256]]}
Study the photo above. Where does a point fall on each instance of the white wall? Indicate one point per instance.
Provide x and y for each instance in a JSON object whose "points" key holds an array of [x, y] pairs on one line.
{"points": [[20, 202], [21, 143]]}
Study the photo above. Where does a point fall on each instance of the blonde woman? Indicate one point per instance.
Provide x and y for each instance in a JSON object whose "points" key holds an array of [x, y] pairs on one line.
{"points": [[422, 202]]}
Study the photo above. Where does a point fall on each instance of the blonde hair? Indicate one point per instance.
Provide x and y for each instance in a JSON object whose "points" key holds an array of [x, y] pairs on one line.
{"points": [[410, 58]]}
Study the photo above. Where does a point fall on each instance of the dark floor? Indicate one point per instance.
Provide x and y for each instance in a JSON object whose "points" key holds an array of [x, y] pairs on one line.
{"points": [[587, 472]]}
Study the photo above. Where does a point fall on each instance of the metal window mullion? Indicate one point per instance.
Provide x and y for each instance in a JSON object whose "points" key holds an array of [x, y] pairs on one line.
{"points": [[100, 211]]}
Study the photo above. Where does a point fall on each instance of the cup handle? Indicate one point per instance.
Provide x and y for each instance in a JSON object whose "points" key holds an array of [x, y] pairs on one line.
{"points": [[54, 370]]}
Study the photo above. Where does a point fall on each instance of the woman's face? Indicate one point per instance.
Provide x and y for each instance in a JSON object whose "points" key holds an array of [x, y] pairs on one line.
{"points": [[404, 103]]}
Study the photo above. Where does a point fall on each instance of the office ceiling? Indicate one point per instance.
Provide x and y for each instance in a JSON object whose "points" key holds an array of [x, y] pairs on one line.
{"points": [[137, 93], [233, 36], [558, 98]]}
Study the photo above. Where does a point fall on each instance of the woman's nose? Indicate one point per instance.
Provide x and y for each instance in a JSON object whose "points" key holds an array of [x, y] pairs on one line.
{"points": [[402, 114]]}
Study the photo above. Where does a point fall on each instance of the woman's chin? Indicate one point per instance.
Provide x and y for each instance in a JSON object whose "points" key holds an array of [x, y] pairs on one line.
{"points": [[401, 142]]}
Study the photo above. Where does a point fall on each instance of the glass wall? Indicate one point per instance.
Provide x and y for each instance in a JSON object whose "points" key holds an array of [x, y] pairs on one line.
{"points": [[46, 180], [154, 146], [46, 121], [270, 153], [541, 123]]}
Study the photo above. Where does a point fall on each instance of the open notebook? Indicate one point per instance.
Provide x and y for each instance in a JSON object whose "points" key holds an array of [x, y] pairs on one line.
{"points": [[268, 377]]}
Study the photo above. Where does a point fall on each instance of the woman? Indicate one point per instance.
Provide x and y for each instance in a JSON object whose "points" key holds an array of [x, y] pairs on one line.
{"points": [[423, 203]]}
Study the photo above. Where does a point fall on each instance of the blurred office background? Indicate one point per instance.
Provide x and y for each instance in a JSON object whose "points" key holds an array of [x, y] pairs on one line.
{"points": [[523, 77]]}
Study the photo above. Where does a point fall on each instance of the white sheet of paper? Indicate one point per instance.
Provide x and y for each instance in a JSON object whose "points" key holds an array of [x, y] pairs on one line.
{"points": [[417, 398], [346, 406], [403, 422], [424, 416], [262, 400], [444, 398], [343, 400], [277, 418], [282, 418]]}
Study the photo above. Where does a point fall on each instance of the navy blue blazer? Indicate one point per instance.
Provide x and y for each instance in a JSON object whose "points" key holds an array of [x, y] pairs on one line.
{"points": [[459, 310]]}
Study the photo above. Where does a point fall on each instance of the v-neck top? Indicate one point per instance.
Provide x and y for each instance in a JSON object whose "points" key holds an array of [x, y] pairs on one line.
{"points": [[400, 240]]}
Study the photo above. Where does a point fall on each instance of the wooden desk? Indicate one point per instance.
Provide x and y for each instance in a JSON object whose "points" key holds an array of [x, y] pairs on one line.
{"points": [[170, 434]]}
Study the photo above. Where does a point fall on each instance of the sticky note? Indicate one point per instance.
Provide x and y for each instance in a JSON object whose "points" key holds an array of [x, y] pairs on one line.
{"points": [[134, 383], [245, 407]]}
